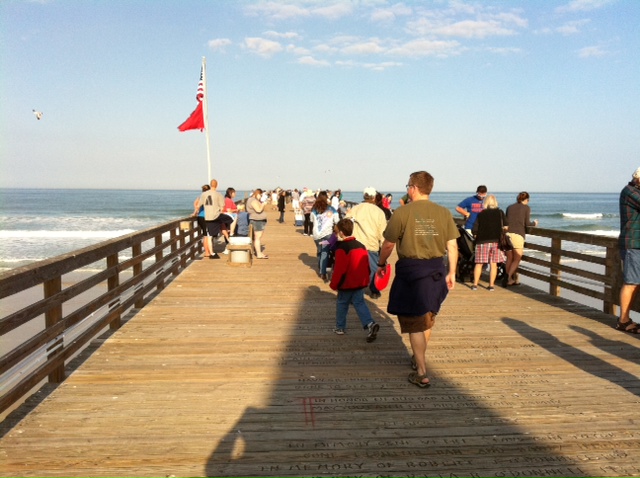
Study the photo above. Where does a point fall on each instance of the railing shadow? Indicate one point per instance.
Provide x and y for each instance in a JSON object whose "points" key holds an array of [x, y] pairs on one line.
{"points": [[582, 360]]}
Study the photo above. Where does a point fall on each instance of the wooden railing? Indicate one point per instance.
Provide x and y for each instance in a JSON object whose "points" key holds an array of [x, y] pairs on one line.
{"points": [[66, 319], [602, 282]]}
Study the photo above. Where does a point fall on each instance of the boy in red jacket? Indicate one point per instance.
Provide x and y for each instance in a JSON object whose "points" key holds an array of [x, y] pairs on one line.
{"points": [[350, 277]]}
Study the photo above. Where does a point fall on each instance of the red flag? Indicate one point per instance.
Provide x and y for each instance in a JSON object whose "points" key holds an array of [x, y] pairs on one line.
{"points": [[196, 120]]}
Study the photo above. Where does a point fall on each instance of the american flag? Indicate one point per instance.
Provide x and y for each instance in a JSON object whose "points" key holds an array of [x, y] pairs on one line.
{"points": [[200, 93]]}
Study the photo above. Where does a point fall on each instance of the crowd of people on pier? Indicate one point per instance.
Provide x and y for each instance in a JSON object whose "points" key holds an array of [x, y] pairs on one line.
{"points": [[354, 241]]}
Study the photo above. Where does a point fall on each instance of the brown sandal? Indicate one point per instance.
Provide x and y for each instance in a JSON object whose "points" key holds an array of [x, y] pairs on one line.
{"points": [[629, 326], [417, 379]]}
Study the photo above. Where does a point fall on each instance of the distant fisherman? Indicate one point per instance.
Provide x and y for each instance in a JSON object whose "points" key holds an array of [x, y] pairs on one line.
{"points": [[629, 251]]}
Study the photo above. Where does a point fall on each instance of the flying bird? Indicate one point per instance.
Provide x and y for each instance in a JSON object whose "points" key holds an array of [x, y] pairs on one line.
{"points": [[38, 114]]}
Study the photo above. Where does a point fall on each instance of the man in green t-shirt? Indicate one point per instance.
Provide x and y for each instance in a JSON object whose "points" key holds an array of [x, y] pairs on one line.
{"points": [[424, 232]]}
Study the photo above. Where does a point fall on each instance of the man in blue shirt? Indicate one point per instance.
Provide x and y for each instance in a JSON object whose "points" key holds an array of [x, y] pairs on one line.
{"points": [[472, 206]]}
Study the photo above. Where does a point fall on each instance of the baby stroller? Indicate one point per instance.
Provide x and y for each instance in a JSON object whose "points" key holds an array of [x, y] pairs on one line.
{"points": [[467, 258]]}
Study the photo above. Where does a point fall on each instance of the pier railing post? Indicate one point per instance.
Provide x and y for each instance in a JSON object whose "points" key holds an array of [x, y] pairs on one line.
{"points": [[51, 317], [159, 256], [613, 270], [175, 270], [136, 251], [554, 272], [112, 283]]}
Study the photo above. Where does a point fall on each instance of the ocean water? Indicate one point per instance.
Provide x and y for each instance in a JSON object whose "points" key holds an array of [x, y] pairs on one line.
{"points": [[37, 224]]}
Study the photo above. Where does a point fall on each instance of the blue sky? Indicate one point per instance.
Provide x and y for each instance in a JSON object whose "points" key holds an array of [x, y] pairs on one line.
{"points": [[518, 95]]}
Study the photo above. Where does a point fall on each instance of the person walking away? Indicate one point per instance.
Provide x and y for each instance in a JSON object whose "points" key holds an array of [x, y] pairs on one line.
{"points": [[350, 277], [487, 230], [629, 242], [198, 211], [518, 218], [323, 219], [258, 219], [295, 200], [306, 204], [471, 207], [282, 199], [369, 224], [423, 232]]}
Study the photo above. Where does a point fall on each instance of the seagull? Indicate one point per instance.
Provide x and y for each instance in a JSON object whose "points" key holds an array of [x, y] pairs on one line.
{"points": [[38, 114]]}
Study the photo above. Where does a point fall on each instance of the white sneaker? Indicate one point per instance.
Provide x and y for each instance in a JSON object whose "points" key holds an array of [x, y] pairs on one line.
{"points": [[226, 251]]}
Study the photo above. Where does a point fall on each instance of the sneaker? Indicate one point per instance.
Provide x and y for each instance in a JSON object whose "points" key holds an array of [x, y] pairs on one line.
{"points": [[474, 287], [339, 331], [490, 289], [375, 295], [226, 251], [214, 256], [373, 331]]}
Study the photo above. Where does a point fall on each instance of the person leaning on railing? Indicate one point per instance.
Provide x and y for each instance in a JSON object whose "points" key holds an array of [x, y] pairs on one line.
{"points": [[629, 251], [519, 218]]}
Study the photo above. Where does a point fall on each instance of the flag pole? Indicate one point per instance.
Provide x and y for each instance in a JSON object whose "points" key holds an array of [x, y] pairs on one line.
{"points": [[205, 111]]}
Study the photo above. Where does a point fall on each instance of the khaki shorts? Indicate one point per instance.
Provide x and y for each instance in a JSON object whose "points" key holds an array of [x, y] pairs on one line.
{"points": [[517, 240], [410, 324]]}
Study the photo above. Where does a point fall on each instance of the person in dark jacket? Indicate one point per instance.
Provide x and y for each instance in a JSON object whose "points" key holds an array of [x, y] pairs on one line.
{"points": [[282, 201], [487, 230], [350, 277]]}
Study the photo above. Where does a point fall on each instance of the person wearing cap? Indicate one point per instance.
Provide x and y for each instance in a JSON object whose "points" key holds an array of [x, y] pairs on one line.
{"points": [[472, 206], [629, 243], [424, 233], [369, 224]]}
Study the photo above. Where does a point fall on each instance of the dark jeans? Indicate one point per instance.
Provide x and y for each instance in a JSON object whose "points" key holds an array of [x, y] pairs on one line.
{"points": [[307, 223]]}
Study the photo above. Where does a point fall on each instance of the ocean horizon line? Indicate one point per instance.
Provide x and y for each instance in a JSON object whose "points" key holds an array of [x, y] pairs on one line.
{"points": [[453, 191]]}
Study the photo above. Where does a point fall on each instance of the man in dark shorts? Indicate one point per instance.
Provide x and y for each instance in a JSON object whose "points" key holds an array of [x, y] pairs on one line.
{"points": [[215, 221], [423, 232], [629, 251]]}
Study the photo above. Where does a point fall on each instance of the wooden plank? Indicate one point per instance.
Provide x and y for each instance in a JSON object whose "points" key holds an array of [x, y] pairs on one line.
{"points": [[236, 372]]}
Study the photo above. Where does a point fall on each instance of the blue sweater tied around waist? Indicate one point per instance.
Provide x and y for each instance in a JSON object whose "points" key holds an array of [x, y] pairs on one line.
{"points": [[419, 286]]}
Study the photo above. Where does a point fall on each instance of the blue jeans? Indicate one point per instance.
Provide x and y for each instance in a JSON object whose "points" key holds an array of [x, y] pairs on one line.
{"points": [[355, 297], [373, 267], [323, 254]]}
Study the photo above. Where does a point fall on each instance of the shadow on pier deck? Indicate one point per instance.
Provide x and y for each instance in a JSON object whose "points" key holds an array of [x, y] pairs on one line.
{"points": [[235, 371]]}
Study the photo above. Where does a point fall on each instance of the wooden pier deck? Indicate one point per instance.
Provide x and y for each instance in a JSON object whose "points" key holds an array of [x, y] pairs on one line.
{"points": [[234, 371]]}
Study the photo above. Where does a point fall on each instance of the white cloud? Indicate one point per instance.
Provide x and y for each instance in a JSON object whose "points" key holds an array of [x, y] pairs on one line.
{"points": [[583, 6], [297, 50], [219, 44], [592, 52], [474, 29], [571, 28], [309, 60], [483, 24], [262, 46], [370, 47], [285, 11], [425, 47], [287, 35], [391, 13], [334, 11], [381, 66], [276, 10], [324, 48]]}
